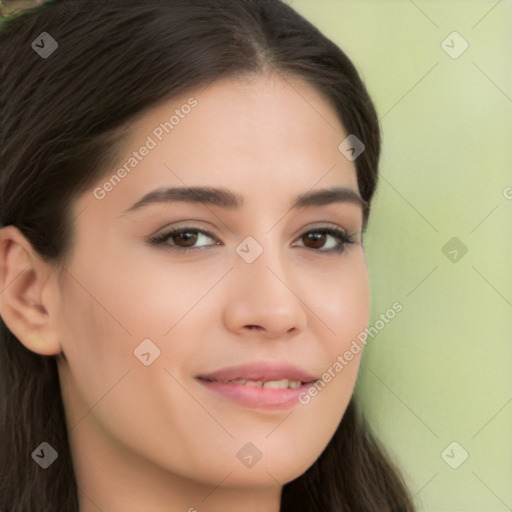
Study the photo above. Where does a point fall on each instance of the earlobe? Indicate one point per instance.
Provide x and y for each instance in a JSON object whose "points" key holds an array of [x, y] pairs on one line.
{"points": [[23, 276]]}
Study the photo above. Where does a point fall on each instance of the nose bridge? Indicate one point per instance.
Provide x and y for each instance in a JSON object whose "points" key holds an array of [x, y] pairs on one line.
{"points": [[262, 294], [264, 268]]}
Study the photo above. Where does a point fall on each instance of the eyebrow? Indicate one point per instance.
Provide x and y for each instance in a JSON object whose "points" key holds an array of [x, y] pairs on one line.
{"points": [[226, 199]]}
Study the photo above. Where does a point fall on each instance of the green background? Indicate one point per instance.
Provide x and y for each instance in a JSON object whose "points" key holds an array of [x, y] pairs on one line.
{"points": [[440, 371]]}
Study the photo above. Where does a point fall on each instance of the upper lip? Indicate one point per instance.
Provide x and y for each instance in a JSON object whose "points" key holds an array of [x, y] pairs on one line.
{"points": [[262, 371]]}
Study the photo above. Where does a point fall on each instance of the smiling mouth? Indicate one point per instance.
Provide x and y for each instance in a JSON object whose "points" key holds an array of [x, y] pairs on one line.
{"points": [[263, 385], [263, 392], [269, 384]]}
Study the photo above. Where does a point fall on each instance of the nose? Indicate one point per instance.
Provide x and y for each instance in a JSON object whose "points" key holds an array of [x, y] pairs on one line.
{"points": [[264, 299]]}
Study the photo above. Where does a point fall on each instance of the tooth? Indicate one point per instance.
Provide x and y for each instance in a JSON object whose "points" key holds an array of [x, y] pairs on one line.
{"points": [[271, 384], [284, 383], [254, 383], [276, 384]]}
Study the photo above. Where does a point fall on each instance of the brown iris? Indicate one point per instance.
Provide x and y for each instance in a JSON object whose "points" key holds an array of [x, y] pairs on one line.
{"points": [[318, 239], [188, 237]]}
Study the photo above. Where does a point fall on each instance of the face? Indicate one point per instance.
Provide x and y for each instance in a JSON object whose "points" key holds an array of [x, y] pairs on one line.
{"points": [[169, 303]]}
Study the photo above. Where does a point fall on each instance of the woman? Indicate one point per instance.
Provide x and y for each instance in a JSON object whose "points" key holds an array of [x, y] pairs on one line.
{"points": [[184, 187]]}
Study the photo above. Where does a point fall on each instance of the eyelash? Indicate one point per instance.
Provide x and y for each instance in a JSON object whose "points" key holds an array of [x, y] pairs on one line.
{"points": [[162, 238]]}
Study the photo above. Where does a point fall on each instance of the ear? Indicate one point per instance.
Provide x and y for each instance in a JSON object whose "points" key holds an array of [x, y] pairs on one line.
{"points": [[23, 278]]}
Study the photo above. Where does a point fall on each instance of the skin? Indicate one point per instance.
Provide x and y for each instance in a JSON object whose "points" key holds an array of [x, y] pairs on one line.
{"points": [[152, 437]]}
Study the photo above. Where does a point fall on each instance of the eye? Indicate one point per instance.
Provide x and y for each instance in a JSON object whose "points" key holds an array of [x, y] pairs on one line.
{"points": [[318, 239], [183, 239]]}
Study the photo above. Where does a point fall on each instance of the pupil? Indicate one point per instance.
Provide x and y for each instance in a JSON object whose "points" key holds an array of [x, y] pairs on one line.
{"points": [[187, 237], [317, 239]]}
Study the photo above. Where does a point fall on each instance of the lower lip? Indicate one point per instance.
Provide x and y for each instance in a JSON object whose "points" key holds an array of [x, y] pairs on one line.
{"points": [[257, 397]]}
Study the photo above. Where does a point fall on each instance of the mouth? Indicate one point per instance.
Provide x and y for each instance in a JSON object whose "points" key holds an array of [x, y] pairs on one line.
{"points": [[269, 384], [260, 386]]}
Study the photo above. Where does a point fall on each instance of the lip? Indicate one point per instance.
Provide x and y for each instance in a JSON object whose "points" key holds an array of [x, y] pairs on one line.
{"points": [[261, 371], [256, 397]]}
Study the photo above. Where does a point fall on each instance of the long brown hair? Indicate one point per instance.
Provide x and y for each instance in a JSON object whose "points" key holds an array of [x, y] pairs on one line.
{"points": [[63, 120]]}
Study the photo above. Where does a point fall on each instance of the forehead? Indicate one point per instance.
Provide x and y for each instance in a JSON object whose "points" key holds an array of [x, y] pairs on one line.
{"points": [[257, 135]]}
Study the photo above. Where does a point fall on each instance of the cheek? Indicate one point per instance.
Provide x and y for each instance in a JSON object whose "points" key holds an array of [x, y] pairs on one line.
{"points": [[342, 305], [342, 302], [157, 297], [96, 348], [96, 326], [105, 318]]}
